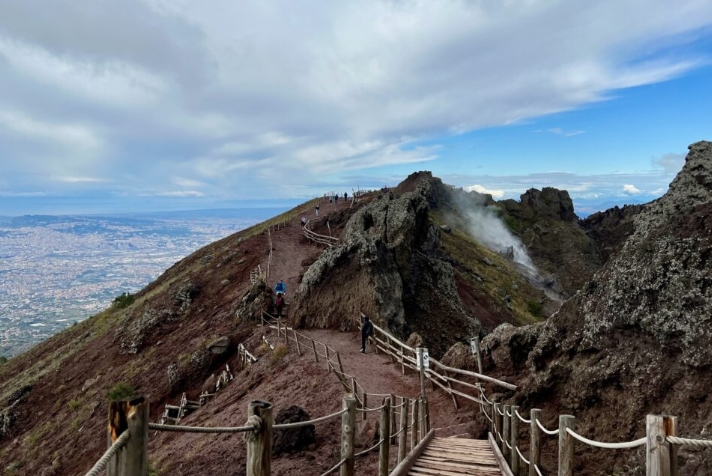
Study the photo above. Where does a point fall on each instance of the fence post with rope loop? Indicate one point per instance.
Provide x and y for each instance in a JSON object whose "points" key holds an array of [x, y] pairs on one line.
{"points": [[506, 450], [348, 431], [384, 450], [393, 419], [414, 426], [403, 431], [534, 442], [421, 421], [658, 461], [496, 421], [259, 442], [566, 445], [132, 416], [513, 439]]}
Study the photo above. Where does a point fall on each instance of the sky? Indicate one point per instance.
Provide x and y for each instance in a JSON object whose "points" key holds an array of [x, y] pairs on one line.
{"points": [[143, 105]]}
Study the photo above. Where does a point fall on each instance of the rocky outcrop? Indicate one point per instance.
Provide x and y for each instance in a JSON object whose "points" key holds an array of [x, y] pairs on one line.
{"points": [[609, 229], [386, 267], [292, 439], [637, 339]]}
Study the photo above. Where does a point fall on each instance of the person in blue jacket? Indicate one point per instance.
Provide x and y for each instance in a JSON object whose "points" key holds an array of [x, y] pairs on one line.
{"points": [[280, 288]]}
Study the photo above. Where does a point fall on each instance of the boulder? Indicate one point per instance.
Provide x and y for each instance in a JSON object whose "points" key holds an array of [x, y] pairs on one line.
{"points": [[219, 345], [291, 440]]}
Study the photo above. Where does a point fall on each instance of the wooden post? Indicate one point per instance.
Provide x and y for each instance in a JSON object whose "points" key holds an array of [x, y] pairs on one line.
{"points": [[259, 443], [348, 430], [497, 420], [421, 423], [672, 431], [384, 450], [414, 426], [279, 332], [365, 405], [402, 360], [316, 356], [535, 442], [393, 418], [427, 414], [403, 429], [658, 454], [478, 354], [296, 339], [353, 387], [132, 416], [514, 440], [505, 433], [566, 445], [338, 358], [421, 368], [454, 397], [326, 351]]}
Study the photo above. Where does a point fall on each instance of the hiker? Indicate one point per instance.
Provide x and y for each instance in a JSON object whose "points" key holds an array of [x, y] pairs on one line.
{"points": [[336, 198], [316, 209], [346, 195], [280, 288], [304, 221], [279, 304], [366, 331]]}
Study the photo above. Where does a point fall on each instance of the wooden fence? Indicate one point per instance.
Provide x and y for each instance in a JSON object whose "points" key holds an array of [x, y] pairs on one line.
{"points": [[316, 237]]}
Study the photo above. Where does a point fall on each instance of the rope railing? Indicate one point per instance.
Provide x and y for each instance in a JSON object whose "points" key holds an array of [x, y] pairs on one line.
{"points": [[298, 424], [100, 465], [370, 449], [521, 456], [334, 468], [365, 410], [201, 429], [600, 444], [548, 432], [675, 440], [538, 471], [521, 418]]}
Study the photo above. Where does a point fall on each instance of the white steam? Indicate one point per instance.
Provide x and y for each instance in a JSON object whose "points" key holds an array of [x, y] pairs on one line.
{"points": [[489, 230]]}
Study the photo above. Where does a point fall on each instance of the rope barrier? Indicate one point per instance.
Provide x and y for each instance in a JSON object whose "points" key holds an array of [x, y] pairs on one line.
{"points": [[370, 449], [298, 424], [600, 444], [548, 432], [200, 429], [488, 417], [689, 442], [365, 410], [526, 461], [500, 412], [507, 445], [338, 465], [536, 468], [101, 464], [521, 418]]}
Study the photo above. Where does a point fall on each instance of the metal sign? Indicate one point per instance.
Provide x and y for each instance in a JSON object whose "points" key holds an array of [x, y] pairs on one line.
{"points": [[473, 346], [426, 358]]}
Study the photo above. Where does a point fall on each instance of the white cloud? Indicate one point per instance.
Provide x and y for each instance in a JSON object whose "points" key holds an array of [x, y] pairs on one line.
{"points": [[631, 189], [226, 93], [480, 189], [181, 193], [671, 163]]}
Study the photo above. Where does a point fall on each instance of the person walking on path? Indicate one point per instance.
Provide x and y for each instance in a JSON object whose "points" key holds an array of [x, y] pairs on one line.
{"points": [[280, 288], [366, 331], [304, 221], [279, 304], [316, 210]]}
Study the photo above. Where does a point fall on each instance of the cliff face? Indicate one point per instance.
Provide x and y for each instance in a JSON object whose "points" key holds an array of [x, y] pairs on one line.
{"points": [[637, 339], [386, 267]]}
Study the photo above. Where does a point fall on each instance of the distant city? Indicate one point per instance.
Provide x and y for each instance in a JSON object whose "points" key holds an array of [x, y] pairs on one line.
{"points": [[58, 270]]}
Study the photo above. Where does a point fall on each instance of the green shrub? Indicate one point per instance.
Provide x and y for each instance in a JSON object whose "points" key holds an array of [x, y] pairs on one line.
{"points": [[125, 300], [3, 359], [535, 308], [279, 352], [121, 391], [74, 404]]}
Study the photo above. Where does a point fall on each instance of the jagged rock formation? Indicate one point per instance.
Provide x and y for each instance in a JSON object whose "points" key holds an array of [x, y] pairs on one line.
{"points": [[611, 228], [637, 339], [547, 225], [386, 267]]}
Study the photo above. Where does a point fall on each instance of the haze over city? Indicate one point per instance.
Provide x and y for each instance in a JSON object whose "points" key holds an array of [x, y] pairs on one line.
{"points": [[157, 105]]}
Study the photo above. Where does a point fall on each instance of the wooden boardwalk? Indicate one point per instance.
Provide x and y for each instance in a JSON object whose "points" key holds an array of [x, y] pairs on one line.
{"points": [[455, 457]]}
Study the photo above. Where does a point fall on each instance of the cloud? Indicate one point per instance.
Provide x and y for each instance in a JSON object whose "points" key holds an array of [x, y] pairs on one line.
{"points": [[631, 189], [671, 163], [480, 189], [235, 94], [559, 131], [184, 193]]}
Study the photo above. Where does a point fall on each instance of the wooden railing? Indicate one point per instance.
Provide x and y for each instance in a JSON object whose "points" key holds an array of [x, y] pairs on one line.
{"points": [[660, 439], [317, 238]]}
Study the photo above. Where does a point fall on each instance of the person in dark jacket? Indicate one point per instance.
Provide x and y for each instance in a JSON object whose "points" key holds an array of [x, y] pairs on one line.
{"points": [[366, 331]]}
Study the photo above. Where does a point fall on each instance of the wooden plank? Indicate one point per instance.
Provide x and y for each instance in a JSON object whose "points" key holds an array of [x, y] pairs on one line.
{"points": [[456, 456], [460, 461], [420, 471], [463, 468]]}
